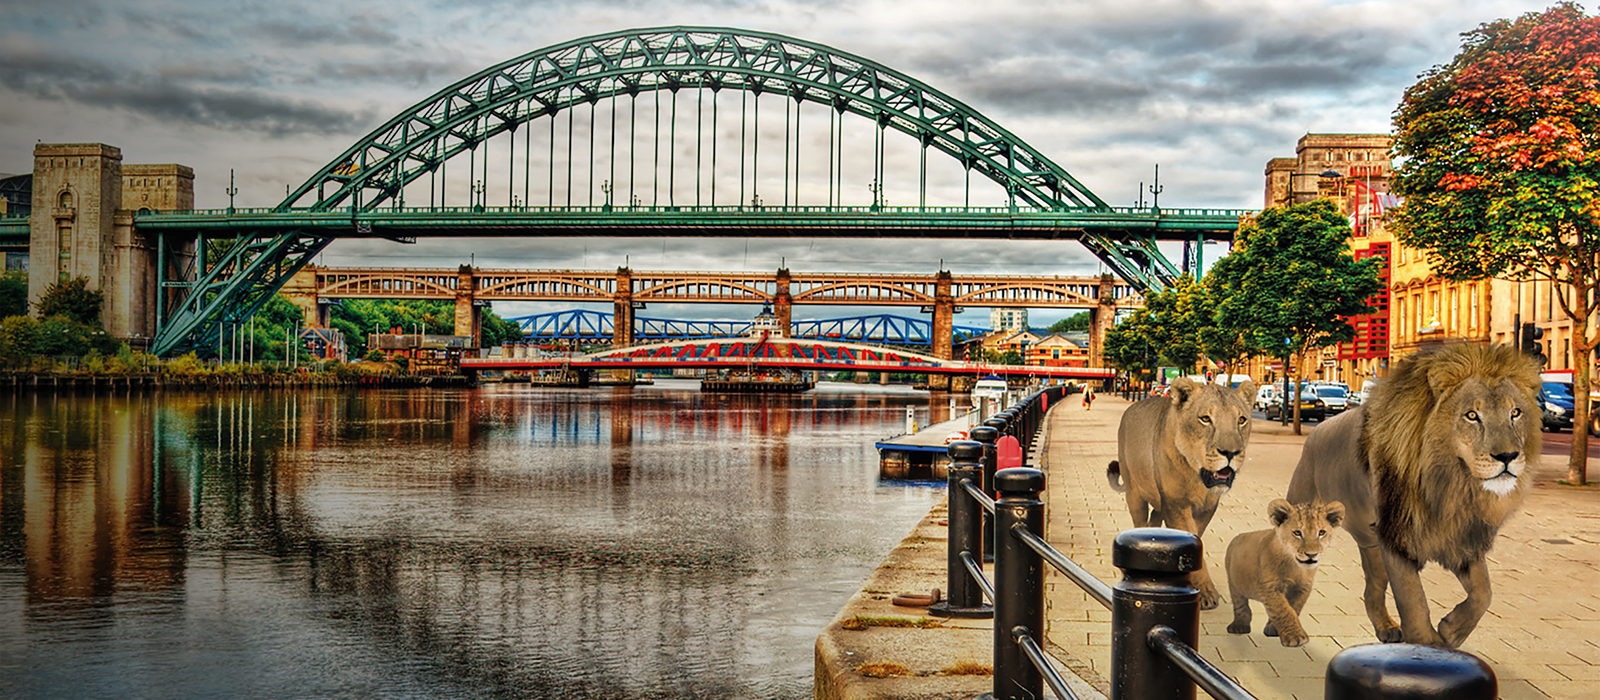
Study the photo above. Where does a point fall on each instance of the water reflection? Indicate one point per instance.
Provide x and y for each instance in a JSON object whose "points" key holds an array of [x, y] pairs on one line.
{"points": [[503, 542]]}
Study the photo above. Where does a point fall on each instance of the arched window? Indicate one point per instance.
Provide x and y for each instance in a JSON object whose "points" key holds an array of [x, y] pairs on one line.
{"points": [[66, 199]]}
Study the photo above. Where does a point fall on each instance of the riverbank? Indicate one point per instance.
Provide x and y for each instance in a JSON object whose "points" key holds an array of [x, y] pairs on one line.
{"points": [[89, 383]]}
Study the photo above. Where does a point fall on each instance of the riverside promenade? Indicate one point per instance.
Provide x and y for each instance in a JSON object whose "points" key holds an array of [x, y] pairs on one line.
{"points": [[1541, 634]]}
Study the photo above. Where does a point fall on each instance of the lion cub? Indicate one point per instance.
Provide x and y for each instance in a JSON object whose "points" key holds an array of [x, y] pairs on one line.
{"points": [[1277, 566]]}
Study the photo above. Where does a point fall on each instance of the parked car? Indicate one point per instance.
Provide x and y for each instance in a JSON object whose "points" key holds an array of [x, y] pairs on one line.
{"points": [[1312, 407], [1556, 405], [1336, 396], [1265, 394]]}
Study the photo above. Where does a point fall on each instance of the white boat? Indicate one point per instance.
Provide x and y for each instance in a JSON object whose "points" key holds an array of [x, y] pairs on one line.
{"points": [[990, 387]]}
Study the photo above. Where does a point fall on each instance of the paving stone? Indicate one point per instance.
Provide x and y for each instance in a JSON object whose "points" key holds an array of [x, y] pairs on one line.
{"points": [[1547, 596]]}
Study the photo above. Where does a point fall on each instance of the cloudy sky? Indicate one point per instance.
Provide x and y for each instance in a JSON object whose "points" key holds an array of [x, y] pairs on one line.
{"points": [[274, 89]]}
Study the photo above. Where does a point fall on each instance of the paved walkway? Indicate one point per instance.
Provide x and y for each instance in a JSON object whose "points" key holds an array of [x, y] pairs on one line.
{"points": [[1541, 634]]}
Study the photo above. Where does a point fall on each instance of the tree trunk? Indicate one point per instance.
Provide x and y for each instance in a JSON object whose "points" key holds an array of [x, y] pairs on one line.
{"points": [[1299, 376], [1582, 352]]}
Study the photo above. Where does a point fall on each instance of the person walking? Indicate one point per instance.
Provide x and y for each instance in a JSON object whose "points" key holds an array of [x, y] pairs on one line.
{"points": [[1088, 396]]}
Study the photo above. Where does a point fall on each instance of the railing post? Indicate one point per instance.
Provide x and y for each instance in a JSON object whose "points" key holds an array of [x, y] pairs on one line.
{"points": [[1018, 583], [1408, 672], [991, 462], [965, 535], [1154, 590]]}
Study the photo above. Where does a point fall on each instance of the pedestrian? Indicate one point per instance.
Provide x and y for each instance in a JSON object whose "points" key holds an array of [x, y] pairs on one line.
{"points": [[1088, 396]]}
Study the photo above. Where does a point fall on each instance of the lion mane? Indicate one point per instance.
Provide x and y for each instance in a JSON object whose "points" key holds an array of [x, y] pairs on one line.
{"points": [[1429, 469]]}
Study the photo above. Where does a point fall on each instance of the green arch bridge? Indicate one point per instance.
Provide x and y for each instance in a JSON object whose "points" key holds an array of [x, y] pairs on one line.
{"points": [[659, 132]]}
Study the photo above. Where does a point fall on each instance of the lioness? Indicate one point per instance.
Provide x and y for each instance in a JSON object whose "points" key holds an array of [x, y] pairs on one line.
{"points": [[1277, 567], [1178, 455], [1428, 469]]}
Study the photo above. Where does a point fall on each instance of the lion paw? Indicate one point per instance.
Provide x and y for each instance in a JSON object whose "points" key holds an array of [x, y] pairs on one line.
{"points": [[1452, 633], [1239, 628], [1426, 636], [1209, 597], [1390, 635], [1294, 639], [1270, 630]]}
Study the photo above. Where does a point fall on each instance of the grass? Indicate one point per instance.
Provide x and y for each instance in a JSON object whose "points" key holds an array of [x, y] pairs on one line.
{"points": [[967, 668], [883, 669], [861, 622]]}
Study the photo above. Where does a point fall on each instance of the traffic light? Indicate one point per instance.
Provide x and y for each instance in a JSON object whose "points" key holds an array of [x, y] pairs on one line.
{"points": [[1528, 341]]}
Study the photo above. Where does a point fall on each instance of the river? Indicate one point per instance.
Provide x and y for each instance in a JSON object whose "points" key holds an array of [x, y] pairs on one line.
{"points": [[500, 542]]}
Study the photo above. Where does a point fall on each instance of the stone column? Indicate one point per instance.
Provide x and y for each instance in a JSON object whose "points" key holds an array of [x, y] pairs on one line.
{"points": [[301, 290], [1101, 319], [622, 319], [622, 309], [466, 312], [783, 304], [944, 317]]}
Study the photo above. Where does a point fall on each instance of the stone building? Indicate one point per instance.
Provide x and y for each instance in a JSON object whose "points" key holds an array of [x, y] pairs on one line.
{"points": [[81, 225]]}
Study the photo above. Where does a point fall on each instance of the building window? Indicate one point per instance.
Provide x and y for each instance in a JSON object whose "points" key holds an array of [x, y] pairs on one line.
{"points": [[66, 200], [1472, 312], [64, 249]]}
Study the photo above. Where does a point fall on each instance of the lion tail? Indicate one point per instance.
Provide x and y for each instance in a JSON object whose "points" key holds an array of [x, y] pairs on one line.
{"points": [[1114, 476]]}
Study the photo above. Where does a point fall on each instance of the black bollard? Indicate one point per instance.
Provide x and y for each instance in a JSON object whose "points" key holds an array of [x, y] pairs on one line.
{"points": [[1154, 590], [1018, 582], [965, 535], [991, 461], [1408, 672]]}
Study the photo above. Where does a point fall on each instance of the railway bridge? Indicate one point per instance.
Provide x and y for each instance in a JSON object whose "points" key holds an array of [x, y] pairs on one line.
{"points": [[629, 290]]}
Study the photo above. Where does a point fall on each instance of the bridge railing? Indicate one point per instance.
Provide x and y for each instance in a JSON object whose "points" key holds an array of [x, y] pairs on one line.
{"points": [[726, 209], [1155, 612]]}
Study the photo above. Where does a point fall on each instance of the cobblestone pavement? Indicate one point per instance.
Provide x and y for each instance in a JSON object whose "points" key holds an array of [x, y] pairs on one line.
{"points": [[1541, 634]]}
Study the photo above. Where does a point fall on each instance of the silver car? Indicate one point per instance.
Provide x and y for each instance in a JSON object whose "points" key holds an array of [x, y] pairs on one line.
{"points": [[1335, 396]]}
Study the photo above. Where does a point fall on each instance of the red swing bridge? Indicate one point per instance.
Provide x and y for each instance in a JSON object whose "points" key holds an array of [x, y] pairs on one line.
{"points": [[772, 354]]}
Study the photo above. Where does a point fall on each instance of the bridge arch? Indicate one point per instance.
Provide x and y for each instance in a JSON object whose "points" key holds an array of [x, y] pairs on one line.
{"points": [[458, 118]]}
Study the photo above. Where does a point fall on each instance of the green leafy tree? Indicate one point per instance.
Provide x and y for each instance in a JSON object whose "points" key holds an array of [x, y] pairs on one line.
{"points": [[1076, 322], [1128, 346], [1501, 169], [13, 293], [497, 330], [74, 299], [1292, 282]]}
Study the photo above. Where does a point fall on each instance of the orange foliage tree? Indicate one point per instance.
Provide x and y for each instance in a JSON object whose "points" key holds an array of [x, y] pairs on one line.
{"points": [[1500, 169]]}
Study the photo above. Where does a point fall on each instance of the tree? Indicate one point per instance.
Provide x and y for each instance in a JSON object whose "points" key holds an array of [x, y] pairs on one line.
{"points": [[1501, 170], [1076, 322], [13, 293], [1128, 345], [72, 298], [1291, 281]]}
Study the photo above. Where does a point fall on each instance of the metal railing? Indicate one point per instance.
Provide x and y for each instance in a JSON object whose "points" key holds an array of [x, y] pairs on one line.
{"points": [[1155, 612]]}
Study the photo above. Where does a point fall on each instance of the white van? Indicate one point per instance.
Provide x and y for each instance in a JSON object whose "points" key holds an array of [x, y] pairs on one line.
{"points": [[1265, 395]]}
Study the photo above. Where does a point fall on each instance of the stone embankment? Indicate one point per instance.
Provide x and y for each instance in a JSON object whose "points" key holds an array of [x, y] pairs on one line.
{"points": [[86, 383]]}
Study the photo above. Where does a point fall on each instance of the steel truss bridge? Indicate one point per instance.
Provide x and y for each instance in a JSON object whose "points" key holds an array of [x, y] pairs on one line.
{"points": [[747, 354], [597, 326], [632, 134]]}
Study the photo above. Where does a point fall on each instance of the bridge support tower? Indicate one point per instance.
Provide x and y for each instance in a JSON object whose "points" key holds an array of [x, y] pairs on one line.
{"points": [[84, 199], [622, 318], [783, 303], [467, 322], [1101, 319], [944, 319]]}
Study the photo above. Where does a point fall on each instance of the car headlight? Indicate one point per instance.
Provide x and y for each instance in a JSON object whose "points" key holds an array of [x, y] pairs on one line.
{"points": [[1551, 407]]}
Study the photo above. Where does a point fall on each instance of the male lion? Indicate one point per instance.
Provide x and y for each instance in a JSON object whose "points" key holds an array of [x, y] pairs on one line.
{"points": [[1178, 456], [1428, 469], [1277, 566]]}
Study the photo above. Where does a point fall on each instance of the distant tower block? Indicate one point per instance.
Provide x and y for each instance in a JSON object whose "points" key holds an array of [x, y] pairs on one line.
{"points": [[1008, 319]]}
